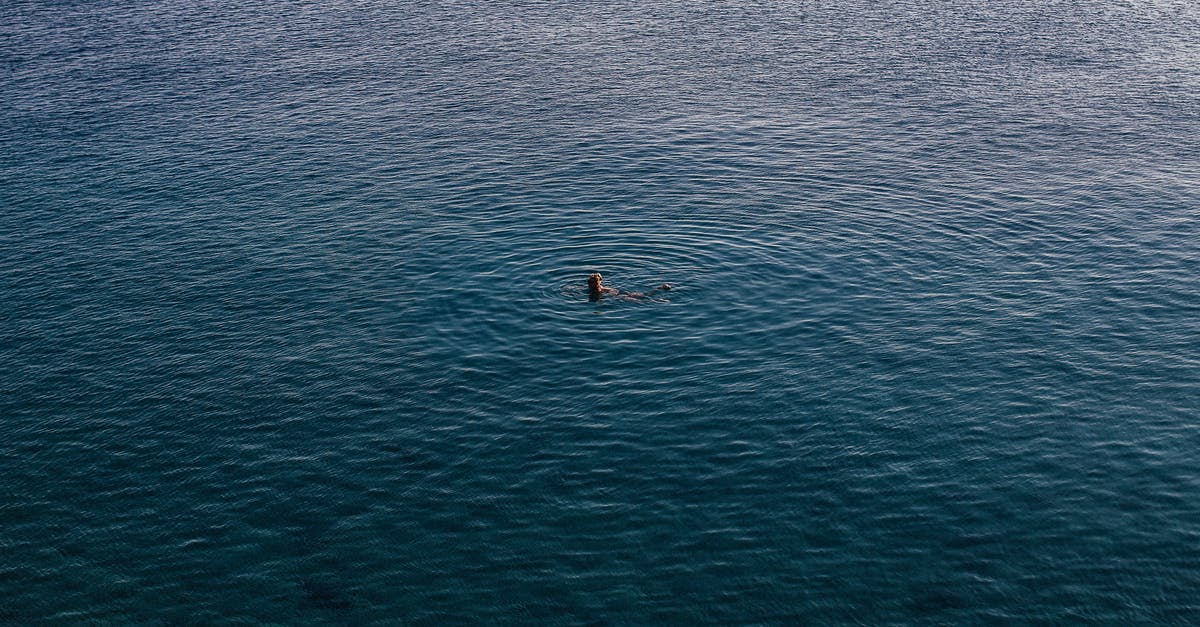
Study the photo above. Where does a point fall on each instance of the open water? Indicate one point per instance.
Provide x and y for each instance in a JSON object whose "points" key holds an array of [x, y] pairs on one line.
{"points": [[293, 325]]}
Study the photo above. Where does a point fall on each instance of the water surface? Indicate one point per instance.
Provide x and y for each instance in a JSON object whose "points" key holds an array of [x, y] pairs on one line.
{"points": [[293, 326]]}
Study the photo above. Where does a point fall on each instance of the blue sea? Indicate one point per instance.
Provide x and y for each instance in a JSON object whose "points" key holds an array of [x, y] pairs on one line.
{"points": [[294, 326]]}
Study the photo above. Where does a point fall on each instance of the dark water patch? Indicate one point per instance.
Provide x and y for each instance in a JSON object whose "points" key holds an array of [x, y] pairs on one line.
{"points": [[936, 601], [323, 595]]}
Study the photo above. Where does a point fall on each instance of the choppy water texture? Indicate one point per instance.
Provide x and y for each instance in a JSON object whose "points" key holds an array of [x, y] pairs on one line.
{"points": [[293, 329]]}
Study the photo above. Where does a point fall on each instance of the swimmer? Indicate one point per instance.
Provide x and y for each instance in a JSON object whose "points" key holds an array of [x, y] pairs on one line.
{"points": [[596, 289]]}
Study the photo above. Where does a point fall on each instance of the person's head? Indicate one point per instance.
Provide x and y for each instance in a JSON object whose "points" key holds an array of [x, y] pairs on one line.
{"points": [[594, 282]]}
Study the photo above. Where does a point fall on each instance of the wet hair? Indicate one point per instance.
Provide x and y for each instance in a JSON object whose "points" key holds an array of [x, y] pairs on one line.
{"points": [[594, 280]]}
